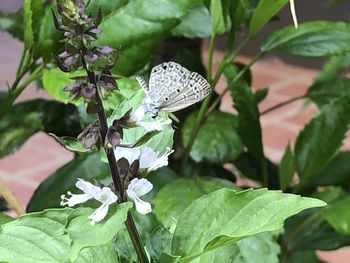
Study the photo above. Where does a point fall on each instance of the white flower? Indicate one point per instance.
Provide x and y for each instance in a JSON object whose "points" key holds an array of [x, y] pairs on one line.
{"points": [[150, 125], [103, 195], [149, 159], [136, 189]]}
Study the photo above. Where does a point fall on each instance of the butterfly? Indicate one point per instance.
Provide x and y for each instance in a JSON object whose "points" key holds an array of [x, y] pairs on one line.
{"points": [[172, 88]]}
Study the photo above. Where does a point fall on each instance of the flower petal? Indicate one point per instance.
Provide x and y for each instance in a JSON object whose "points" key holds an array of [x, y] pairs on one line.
{"points": [[138, 114], [139, 187], [87, 187], [131, 154], [147, 157], [99, 214], [141, 206], [106, 195], [74, 199]]}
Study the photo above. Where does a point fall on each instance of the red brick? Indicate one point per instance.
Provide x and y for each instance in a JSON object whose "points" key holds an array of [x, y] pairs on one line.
{"points": [[277, 136]]}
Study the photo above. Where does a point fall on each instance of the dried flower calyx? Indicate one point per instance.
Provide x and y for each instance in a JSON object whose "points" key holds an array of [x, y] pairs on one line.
{"points": [[79, 31], [90, 136]]}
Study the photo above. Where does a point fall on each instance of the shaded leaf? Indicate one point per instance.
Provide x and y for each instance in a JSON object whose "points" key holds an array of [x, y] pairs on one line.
{"points": [[323, 92], [159, 242], [28, 24], [333, 67], [286, 168], [87, 166], [311, 39], [216, 142], [196, 24], [320, 139], [337, 172], [338, 215]]}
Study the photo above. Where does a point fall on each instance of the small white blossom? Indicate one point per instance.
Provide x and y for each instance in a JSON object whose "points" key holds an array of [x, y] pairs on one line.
{"points": [[149, 159], [136, 189], [103, 195], [149, 125]]}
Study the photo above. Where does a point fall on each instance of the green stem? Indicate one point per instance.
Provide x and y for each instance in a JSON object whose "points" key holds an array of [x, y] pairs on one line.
{"points": [[283, 103], [7, 102], [20, 65], [202, 112], [237, 77], [204, 105]]}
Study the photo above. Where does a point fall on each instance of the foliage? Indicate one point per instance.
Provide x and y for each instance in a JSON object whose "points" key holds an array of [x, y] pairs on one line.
{"points": [[86, 59]]}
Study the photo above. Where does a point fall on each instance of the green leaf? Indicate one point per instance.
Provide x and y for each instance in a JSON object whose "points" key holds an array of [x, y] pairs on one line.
{"points": [[159, 242], [337, 172], [5, 219], [217, 17], [86, 166], [28, 23], [309, 231], [216, 142], [323, 92], [139, 27], [265, 10], [311, 39], [17, 126], [13, 24], [259, 248], [333, 67], [261, 94], [251, 167], [28, 117], [172, 199], [71, 144], [95, 254], [237, 215], [55, 80], [83, 234], [37, 237], [286, 168], [338, 215], [40, 237], [196, 24], [320, 139], [308, 256]]}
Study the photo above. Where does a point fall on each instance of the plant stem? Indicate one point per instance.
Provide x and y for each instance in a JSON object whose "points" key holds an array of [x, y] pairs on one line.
{"points": [[10, 198], [113, 167], [20, 65], [237, 77], [204, 105], [202, 112], [14, 93], [283, 103]]}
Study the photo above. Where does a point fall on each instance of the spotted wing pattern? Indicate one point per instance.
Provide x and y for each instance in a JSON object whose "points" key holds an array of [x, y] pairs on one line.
{"points": [[173, 87]]}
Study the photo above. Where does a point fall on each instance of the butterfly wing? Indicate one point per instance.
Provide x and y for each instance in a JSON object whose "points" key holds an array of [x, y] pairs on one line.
{"points": [[174, 87]]}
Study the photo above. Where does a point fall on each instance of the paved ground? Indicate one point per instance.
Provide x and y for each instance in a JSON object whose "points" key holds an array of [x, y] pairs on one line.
{"points": [[41, 155]]}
